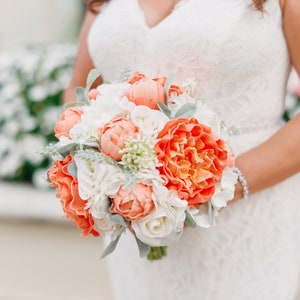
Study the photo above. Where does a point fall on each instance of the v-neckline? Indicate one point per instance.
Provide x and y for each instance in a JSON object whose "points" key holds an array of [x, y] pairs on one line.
{"points": [[143, 16]]}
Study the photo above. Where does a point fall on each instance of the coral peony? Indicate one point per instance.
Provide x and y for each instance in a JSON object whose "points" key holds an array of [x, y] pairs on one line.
{"points": [[67, 121], [146, 91], [114, 135], [67, 191], [133, 204], [192, 159]]}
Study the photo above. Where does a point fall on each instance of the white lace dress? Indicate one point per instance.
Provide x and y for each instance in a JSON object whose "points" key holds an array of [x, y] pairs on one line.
{"points": [[240, 60]]}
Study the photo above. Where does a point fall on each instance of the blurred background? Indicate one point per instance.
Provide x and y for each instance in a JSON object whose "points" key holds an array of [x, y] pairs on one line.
{"points": [[42, 255]]}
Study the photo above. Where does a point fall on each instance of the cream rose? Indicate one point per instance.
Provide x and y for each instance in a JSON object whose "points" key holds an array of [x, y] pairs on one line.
{"points": [[164, 226]]}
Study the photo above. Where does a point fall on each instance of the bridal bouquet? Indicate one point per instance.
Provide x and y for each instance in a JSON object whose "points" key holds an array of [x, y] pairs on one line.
{"points": [[140, 155]]}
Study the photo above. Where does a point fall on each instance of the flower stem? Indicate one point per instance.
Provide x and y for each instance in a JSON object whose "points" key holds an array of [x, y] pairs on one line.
{"points": [[157, 253]]}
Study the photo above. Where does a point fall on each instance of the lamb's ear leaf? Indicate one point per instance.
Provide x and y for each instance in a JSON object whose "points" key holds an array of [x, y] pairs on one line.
{"points": [[211, 213], [189, 220], [143, 248], [93, 75], [81, 95], [113, 244], [187, 110], [164, 108]]}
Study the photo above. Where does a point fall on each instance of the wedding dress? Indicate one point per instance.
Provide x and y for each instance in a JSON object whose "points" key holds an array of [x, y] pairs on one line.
{"points": [[239, 58]]}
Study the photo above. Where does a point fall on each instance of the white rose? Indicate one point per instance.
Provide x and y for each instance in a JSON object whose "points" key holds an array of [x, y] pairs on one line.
{"points": [[164, 226], [104, 225], [150, 122]]}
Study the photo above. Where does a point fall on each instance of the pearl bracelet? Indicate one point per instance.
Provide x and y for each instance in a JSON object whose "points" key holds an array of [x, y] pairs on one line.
{"points": [[242, 181]]}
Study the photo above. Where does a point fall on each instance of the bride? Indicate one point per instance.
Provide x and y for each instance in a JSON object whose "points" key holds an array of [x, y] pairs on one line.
{"points": [[240, 53]]}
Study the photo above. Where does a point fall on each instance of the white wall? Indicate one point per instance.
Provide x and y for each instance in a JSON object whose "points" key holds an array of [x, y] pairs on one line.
{"points": [[39, 21]]}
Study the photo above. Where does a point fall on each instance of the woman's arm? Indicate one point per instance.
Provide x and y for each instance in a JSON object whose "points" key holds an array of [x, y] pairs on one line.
{"points": [[83, 63], [279, 157]]}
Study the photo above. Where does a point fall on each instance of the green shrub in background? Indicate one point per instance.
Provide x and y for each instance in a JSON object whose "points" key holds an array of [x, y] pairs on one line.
{"points": [[292, 107], [32, 80]]}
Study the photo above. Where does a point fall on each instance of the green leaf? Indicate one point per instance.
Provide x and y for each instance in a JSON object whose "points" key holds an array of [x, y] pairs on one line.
{"points": [[73, 104], [72, 169], [93, 75], [143, 248], [168, 84], [129, 178], [189, 220], [211, 213], [81, 95], [113, 244], [164, 108], [118, 219], [111, 247], [187, 110], [64, 150]]}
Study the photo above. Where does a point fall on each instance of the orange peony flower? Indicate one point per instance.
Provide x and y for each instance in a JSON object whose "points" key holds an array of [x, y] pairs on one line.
{"points": [[133, 204], [67, 121], [113, 136], [146, 91], [67, 191], [192, 159]]}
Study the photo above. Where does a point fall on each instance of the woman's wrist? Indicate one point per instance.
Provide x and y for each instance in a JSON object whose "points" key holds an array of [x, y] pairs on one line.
{"points": [[241, 187], [242, 181]]}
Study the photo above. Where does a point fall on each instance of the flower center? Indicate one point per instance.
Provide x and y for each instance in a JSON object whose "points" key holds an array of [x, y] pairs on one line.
{"points": [[138, 153]]}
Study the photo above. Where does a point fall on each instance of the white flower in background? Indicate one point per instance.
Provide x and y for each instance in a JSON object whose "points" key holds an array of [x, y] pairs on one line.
{"points": [[150, 122], [38, 93], [39, 179], [49, 117], [11, 156], [31, 83], [164, 226], [29, 143]]}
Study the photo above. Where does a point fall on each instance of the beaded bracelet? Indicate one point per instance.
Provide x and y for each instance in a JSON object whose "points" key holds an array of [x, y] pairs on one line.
{"points": [[243, 182]]}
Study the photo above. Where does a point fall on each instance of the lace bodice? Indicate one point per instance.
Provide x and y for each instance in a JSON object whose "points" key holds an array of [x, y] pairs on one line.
{"points": [[237, 55], [240, 60]]}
